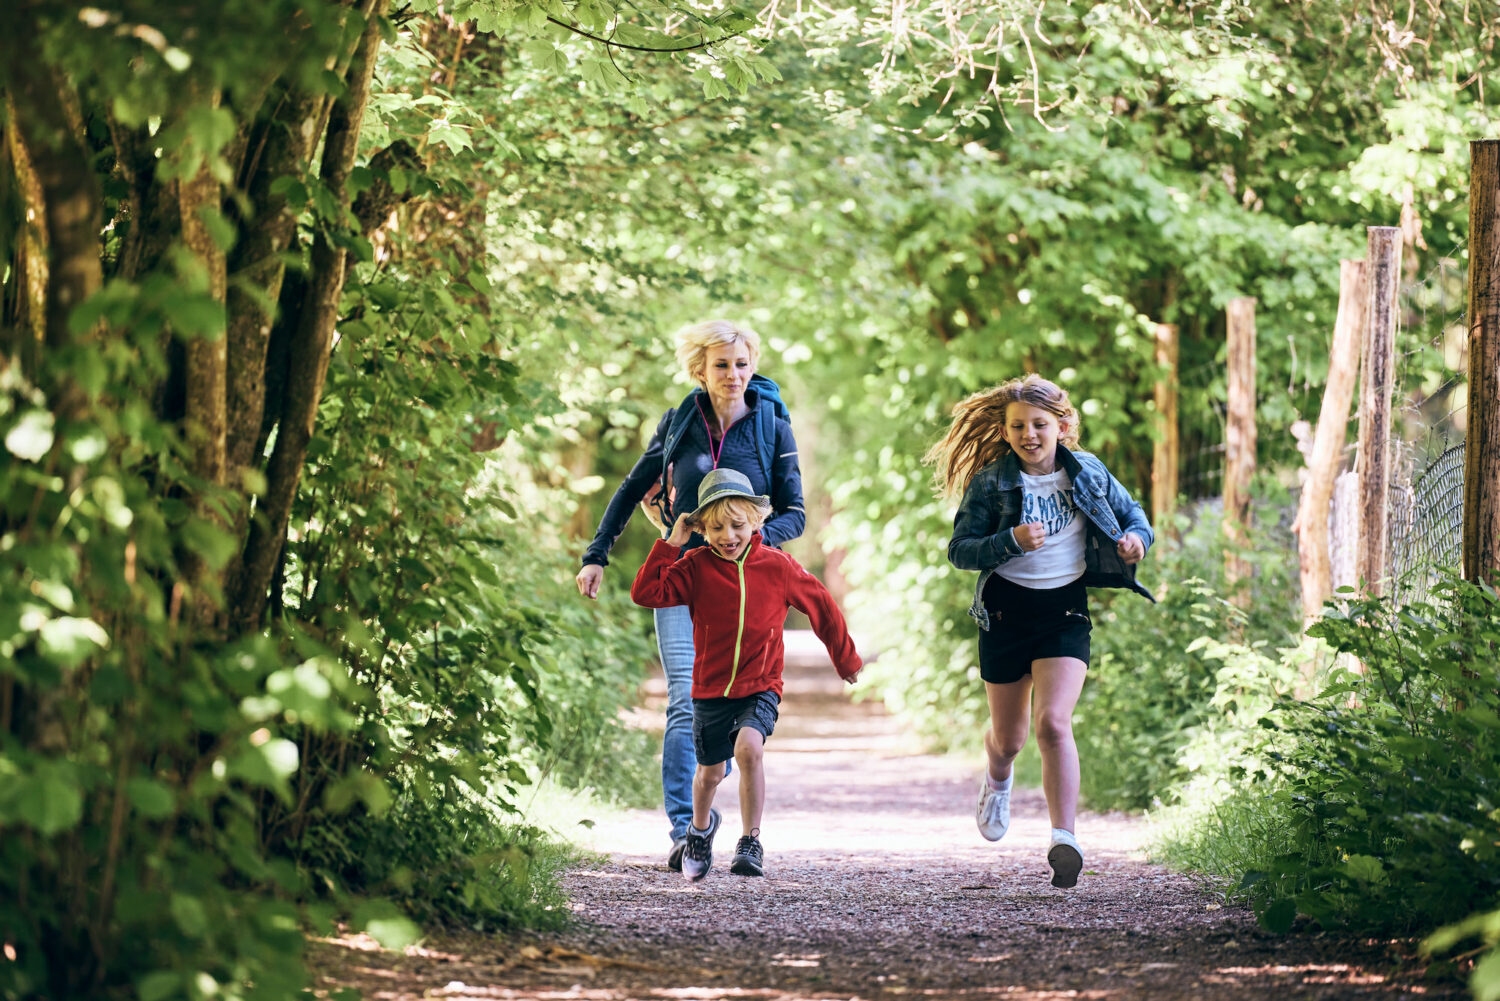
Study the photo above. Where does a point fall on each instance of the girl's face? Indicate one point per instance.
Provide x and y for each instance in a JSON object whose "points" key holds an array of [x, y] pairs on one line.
{"points": [[727, 369], [727, 532], [1033, 432]]}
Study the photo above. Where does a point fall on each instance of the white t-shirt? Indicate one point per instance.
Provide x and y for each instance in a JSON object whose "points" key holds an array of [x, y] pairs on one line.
{"points": [[1049, 500]]}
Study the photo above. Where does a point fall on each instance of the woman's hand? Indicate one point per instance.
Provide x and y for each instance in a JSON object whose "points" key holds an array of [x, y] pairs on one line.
{"points": [[1030, 536], [588, 580], [1131, 548], [682, 531]]}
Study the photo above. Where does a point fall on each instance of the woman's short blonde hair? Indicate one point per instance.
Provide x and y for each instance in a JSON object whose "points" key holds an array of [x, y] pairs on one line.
{"points": [[754, 513], [694, 341]]}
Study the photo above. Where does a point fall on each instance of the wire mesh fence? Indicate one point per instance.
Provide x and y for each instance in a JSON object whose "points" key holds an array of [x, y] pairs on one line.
{"points": [[1425, 529]]}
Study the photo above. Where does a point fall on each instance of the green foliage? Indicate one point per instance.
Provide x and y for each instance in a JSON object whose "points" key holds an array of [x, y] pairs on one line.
{"points": [[1168, 681], [446, 861], [1391, 777]]}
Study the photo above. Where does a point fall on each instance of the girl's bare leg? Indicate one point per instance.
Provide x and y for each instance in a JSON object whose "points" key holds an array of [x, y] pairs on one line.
{"points": [[1058, 682], [1010, 718]]}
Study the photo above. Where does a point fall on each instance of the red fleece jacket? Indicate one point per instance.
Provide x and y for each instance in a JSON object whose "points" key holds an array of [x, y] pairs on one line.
{"points": [[738, 611]]}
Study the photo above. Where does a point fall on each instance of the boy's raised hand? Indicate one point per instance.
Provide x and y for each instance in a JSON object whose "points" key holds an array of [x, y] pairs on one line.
{"points": [[1131, 548], [1030, 536], [682, 531]]}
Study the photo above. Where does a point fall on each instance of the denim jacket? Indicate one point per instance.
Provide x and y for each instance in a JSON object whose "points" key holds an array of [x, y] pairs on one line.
{"points": [[982, 536]]}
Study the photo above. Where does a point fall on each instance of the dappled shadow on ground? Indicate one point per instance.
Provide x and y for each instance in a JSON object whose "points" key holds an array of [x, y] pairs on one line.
{"points": [[879, 886]]}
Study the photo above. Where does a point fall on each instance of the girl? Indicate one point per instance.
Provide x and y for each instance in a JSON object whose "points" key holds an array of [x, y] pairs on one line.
{"points": [[1040, 522]]}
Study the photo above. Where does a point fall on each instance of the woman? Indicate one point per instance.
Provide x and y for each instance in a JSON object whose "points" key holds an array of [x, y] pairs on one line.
{"points": [[734, 420]]}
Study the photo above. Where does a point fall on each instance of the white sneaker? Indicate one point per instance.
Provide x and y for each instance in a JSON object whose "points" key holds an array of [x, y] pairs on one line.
{"points": [[1065, 858], [993, 811]]}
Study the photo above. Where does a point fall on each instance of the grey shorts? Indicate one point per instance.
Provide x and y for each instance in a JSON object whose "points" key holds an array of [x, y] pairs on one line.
{"points": [[717, 722]]}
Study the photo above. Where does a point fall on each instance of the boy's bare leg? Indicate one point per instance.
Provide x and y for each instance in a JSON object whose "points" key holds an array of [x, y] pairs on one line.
{"points": [[1059, 682], [1010, 719], [705, 784], [749, 753]]}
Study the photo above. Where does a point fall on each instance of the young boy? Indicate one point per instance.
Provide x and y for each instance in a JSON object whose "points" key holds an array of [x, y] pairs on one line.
{"points": [[738, 591]]}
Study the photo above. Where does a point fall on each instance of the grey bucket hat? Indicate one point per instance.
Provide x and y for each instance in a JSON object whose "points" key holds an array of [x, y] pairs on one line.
{"points": [[721, 483]]}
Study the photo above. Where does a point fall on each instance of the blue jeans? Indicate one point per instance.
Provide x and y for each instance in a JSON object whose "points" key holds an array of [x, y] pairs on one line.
{"points": [[674, 642]]}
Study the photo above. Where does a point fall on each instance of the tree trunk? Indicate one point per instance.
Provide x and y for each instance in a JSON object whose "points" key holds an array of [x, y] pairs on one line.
{"points": [[1377, 373], [1311, 526], [1239, 441], [25, 321], [1164, 451], [312, 345], [258, 261], [1481, 554], [69, 189]]}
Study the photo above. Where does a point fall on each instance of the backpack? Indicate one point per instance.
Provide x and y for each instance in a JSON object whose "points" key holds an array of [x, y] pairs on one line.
{"points": [[768, 409]]}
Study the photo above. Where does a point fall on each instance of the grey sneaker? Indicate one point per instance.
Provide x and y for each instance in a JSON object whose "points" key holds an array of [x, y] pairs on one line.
{"points": [[993, 810], [749, 857], [1065, 858], [698, 854], [674, 857]]}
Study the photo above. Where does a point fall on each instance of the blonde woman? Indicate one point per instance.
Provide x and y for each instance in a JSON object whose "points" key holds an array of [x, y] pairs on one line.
{"points": [[735, 419], [1041, 523]]}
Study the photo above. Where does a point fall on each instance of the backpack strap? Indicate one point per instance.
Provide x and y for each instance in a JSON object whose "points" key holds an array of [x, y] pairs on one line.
{"points": [[677, 425]]}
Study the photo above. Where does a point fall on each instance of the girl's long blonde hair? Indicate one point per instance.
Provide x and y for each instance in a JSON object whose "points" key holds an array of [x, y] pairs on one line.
{"points": [[976, 437]]}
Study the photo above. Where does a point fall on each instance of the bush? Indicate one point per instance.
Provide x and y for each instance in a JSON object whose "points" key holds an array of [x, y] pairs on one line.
{"points": [[1390, 779], [1162, 674]]}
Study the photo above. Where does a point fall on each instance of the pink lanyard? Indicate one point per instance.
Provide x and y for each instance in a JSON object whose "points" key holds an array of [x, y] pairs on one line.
{"points": [[712, 453]]}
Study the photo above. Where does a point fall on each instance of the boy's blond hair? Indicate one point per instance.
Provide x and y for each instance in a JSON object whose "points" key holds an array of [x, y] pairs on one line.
{"points": [[976, 437], [754, 512]]}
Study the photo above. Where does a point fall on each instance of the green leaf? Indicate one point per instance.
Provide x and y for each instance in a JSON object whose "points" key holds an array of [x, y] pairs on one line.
{"points": [[159, 985], [220, 229], [386, 924], [209, 541], [1366, 869], [68, 641], [268, 764], [151, 798], [188, 912], [1485, 980], [1279, 916], [48, 799], [31, 437]]}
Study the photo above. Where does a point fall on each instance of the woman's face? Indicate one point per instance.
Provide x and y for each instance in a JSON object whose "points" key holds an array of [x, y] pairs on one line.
{"points": [[1032, 432], [727, 369]]}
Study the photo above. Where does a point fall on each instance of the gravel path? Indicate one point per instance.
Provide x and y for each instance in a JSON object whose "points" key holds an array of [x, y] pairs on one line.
{"points": [[878, 885]]}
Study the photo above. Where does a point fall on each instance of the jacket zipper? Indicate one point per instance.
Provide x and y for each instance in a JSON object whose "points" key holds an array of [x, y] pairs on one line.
{"points": [[739, 637], [714, 456]]}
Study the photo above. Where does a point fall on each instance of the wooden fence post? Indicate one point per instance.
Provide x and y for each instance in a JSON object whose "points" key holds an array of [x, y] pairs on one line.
{"points": [[1377, 374], [1164, 453], [1311, 526], [1482, 432], [1239, 437]]}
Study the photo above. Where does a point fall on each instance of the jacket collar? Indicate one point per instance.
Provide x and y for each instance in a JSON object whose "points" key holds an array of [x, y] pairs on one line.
{"points": [[1010, 467]]}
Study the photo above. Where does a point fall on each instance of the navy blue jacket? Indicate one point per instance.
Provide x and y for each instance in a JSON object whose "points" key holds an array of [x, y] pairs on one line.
{"points": [[982, 536], [693, 460]]}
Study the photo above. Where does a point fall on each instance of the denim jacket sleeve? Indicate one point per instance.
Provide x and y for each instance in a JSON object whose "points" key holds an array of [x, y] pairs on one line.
{"points": [[977, 544], [645, 472], [788, 517], [1128, 510]]}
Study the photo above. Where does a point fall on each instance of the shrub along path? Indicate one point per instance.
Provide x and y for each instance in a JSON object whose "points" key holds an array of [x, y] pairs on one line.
{"points": [[879, 886]]}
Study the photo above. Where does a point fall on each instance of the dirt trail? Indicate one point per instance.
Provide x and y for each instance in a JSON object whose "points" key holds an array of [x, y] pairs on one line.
{"points": [[878, 885]]}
